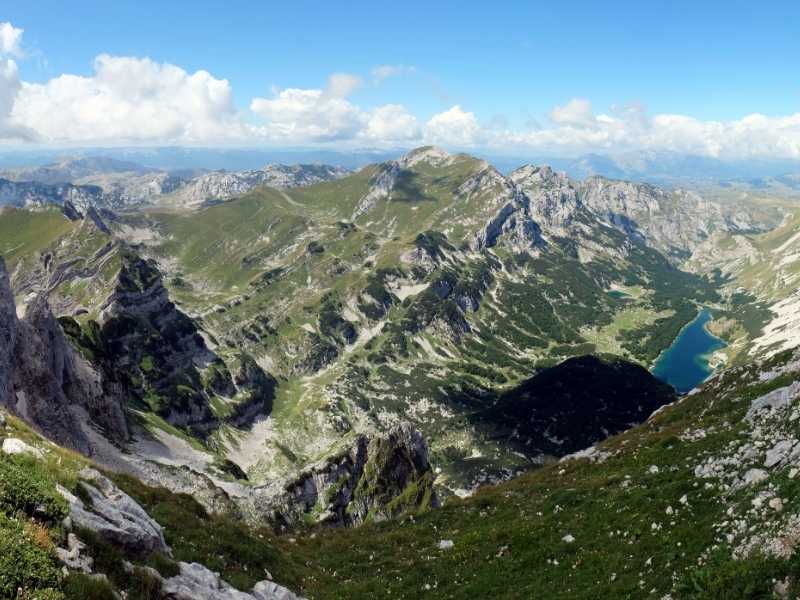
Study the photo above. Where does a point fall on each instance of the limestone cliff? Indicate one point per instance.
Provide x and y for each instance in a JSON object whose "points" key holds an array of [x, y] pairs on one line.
{"points": [[43, 380]]}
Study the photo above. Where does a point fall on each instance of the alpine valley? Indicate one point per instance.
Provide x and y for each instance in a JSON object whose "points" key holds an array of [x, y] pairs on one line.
{"points": [[423, 377]]}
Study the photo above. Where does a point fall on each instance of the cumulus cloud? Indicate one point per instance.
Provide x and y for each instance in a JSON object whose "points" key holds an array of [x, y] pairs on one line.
{"points": [[137, 100], [393, 123], [296, 115], [341, 85], [311, 115], [131, 100], [577, 113], [577, 130], [454, 127], [10, 45], [10, 40]]}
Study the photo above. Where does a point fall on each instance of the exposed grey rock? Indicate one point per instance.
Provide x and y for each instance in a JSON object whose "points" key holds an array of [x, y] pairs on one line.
{"points": [[28, 194], [774, 400], [269, 590], [81, 184], [754, 476], [72, 556], [13, 446], [114, 515], [8, 334], [50, 379], [778, 453], [381, 186], [554, 199], [184, 480], [196, 582], [674, 222]]}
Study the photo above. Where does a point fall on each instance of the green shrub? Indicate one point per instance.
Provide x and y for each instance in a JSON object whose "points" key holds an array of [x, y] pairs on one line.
{"points": [[23, 563], [26, 487], [82, 587]]}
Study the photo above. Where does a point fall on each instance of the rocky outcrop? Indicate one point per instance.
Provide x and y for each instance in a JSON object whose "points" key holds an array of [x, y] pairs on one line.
{"points": [[114, 516], [377, 478], [47, 383], [553, 198], [197, 582], [381, 185], [674, 223], [156, 354], [155, 349], [8, 334]]}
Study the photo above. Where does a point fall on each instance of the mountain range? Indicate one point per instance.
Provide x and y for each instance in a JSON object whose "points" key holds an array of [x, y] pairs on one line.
{"points": [[301, 347]]}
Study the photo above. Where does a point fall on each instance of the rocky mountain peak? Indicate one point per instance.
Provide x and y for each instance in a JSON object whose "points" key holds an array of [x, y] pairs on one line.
{"points": [[432, 155], [553, 197], [528, 175]]}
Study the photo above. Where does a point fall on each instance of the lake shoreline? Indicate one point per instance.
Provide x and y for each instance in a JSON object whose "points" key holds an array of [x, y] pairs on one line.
{"points": [[687, 361]]}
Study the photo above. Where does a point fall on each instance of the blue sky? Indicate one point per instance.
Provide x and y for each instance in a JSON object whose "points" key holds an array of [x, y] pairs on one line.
{"points": [[507, 65]]}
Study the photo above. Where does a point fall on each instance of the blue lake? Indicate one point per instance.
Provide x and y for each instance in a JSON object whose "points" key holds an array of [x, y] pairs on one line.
{"points": [[684, 365]]}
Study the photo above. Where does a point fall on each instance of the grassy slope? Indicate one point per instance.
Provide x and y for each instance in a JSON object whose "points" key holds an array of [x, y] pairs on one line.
{"points": [[508, 539], [24, 233]]}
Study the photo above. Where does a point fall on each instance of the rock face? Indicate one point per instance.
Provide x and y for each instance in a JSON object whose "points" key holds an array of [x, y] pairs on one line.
{"points": [[575, 404], [8, 334], [673, 222], [114, 515], [554, 199], [377, 478], [43, 380], [157, 355], [195, 582]]}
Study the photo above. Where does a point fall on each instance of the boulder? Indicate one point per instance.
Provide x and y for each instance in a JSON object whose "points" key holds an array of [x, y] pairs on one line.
{"points": [[72, 556], [114, 515], [196, 582], [13, 446]]}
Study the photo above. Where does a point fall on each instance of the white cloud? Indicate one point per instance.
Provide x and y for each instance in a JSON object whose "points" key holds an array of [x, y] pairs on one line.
{"points": [[10, 45], [382, 72], [576, 113], [578, 131], [454, 127], [296, 115], [299, 116], [131, 100], [391, 123], [137, 100], [10, 40]]}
